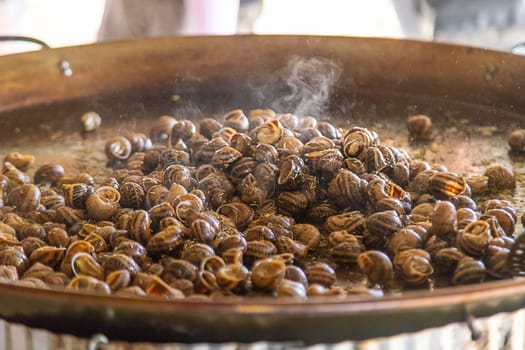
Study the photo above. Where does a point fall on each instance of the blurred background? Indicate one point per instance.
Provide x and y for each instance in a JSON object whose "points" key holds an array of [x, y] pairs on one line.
{"points": [[495, 24]]}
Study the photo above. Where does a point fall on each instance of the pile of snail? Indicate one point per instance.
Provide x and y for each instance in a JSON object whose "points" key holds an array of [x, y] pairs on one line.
{"points": [[256, 204]]}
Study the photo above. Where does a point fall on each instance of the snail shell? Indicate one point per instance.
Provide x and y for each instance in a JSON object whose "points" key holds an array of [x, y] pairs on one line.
{"points": [[37, 270], [404, 239], [377, 267], [118, 279], [88, 284], [25, 198], [179, 269], [21, 161], [291, 289], [291, 202], [240, 213], [231, 275], [14, 256], [444, 185], [195, 253], [49, 174], [116, 261], [104, 203], [118, 148], [469, 271], [420, 127], [444, 220], [307, 234], [131, 195], [85, 264], [320, 273], [269, 132], [475, 238], [166, 240], [346, 190], [495, 261], [261, 249], [416, 270], [50, 256], [267, 274], [139, 228], [446, 260]]}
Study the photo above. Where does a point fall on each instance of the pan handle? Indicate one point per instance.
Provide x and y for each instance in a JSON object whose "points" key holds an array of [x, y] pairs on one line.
{"points": [[43, 44], [63, 64]]}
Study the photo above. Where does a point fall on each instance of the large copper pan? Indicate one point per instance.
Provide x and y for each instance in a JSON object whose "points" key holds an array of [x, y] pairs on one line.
{"points": [[381, 82]]}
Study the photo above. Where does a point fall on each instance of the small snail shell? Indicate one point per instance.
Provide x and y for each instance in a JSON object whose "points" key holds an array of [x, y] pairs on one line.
{"points": [[267, 274], [104, 203], [377, 267]]}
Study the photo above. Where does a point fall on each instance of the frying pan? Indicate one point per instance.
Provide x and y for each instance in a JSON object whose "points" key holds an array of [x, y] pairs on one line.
{"points": [[473, 95]]}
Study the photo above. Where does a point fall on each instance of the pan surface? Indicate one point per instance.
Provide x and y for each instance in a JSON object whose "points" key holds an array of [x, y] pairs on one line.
{"points": [[374, 83]]}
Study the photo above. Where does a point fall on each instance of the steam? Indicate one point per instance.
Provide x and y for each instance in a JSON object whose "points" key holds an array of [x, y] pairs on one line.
{"points": [[311, 81]]}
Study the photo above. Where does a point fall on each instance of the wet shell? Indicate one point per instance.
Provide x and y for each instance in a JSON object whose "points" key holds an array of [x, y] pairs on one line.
{"points": [[444, 220], [420, 127], [240, 213], [37, 270], [355, 140], [261, 249], [88, 284], [104, 203], [291, 289], [291, 202], [25, 198], [75, 195], [474, 239], [179, 269], [346, 251], [97, 242], [446, 260], [517, 140], [50, 256], [49, 174], [444, 185], [383, 224], [269, 132], [14, 256], [131, 195], [195, 253], [166, 240], [85, 264], [118, 148], [118, 279], [416, 270], [116, 261], [206, 283], [231, 275], [500, 178], [139, 228], [267, 274], [237, 120], [377, 267], [288, 245], [346, 190], [56, 279], [496, 261], [21, 161], [320, 273], [403, 239], [8, 273], [469, 271], [307, 234], [15, 176], [353, 222]]}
